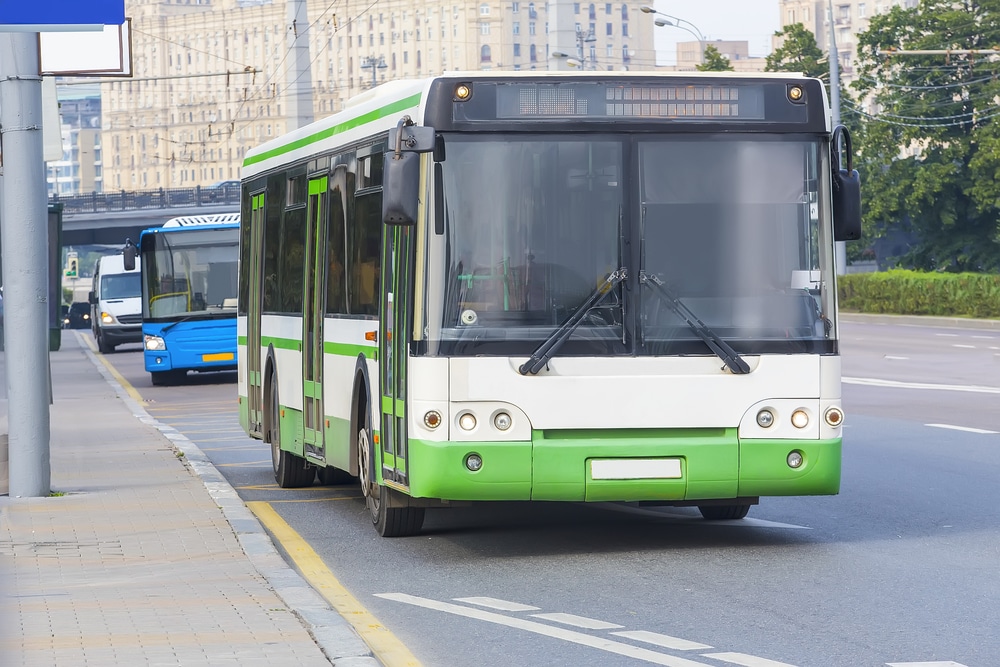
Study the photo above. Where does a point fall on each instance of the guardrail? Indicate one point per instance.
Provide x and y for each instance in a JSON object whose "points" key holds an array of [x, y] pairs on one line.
{"points": [[100, 202]]}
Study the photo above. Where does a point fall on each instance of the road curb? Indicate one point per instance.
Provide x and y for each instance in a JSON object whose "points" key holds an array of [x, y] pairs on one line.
{"points": [[921, 321], [333, 634]]}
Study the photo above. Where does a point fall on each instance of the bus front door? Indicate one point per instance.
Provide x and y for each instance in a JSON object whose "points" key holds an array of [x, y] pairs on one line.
{"points": [[255, 410], [312, 320], [397, 281]]}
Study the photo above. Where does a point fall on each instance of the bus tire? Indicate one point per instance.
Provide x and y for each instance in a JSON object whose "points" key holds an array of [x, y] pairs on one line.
{"points": [[290, 471], [388, 521], [723, 512]]}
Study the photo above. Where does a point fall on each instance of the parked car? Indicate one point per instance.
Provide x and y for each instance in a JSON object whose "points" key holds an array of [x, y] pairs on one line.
{"points": [[222, 191], [77, 316]]}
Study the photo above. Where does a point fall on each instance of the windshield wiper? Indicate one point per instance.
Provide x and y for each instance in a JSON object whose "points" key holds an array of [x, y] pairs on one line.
{"points": [[547, 349], [731, 357]]}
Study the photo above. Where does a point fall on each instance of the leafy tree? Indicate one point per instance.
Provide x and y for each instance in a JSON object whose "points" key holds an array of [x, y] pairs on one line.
{"points": [[930, 159], [798, 53], [713, 61]]}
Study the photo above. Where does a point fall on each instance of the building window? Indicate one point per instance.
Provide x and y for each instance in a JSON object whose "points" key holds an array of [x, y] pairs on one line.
{"points": [[484, 28], [861, 10], [517, 27], [484, 54], [624, 12], [533, 53], [624, 29], [609, 30], [517, 50], [593, 12], [515, 7], [484, 9], [531, 27]]}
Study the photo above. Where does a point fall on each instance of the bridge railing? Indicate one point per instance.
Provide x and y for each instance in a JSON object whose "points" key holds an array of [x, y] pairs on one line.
{"points": [[100, 202]]}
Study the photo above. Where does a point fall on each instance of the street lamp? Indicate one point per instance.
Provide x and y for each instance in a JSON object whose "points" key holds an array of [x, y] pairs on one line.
{"points": [[662, 19], [581, 39], [375, 64], [570, 60]]}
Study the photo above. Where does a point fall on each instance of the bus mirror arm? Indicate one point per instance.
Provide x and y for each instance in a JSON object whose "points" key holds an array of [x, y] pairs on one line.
{"points": [[129, 253]]}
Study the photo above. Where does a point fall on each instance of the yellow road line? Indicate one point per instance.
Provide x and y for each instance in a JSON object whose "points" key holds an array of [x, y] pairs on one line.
{"points": [[111, 369], [385, 645]]}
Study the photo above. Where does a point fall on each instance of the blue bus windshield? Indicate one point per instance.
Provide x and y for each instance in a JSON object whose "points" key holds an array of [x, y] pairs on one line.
{"points": [[190, 273]]}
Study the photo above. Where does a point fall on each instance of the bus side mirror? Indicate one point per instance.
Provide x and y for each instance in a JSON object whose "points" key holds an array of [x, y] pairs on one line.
{"points": [[401, 172], [91, 297], [128, 255], [846, 190]]}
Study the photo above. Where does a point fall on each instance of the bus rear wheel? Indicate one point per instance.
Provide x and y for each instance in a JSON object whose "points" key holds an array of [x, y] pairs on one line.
{"points": [[290, 471], [723, 512], [388, 521]]}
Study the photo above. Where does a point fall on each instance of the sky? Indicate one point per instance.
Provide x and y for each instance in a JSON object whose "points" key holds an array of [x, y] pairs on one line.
{"points": [[751, 20]]}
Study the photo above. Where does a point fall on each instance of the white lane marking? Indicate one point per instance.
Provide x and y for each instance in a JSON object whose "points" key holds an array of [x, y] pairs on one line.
{"points": [[746, 660], [666, 641], [690, 518], [965, 347], [893, 358], [873, 382], [944, 335], [578, 621], [494, 603], [985, 337], [967, 429], [546, 630], [940, 663]]}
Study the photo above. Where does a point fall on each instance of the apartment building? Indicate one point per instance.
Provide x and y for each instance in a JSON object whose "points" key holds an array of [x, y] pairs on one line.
{"points": [[211, 76], [850, 17]]}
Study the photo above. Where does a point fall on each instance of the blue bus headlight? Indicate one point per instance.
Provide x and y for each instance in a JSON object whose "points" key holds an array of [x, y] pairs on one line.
{"points": [[154, 343]]}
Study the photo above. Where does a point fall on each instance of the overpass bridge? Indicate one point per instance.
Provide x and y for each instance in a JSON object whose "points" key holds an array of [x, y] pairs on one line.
{"points": [[110, 218]]}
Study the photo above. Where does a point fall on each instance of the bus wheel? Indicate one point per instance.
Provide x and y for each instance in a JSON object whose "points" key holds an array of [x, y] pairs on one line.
{"points": [[723, 512], [330, 476], [388, 521], [290, 471]]}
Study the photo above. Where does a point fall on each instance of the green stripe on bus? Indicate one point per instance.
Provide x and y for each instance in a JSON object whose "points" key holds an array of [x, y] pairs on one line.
{"points": [[338, 349], [374, 115], [317, 186], [281, 343]]}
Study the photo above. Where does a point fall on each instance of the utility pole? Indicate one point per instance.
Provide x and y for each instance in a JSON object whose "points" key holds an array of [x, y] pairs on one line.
{"points": [[24, 235], [840, 247], [298, 74], [375, 64]]}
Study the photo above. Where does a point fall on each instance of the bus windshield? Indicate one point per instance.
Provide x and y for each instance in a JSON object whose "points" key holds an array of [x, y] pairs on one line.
{"points": [[731, 228], [190, 273]]}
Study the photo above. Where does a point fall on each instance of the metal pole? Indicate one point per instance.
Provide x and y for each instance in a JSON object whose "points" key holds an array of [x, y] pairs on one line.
{"points": [[298, 81], [840, 247], [24, 235]]}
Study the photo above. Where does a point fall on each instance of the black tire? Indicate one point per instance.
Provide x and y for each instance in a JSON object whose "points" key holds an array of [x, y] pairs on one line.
{"points": [[388, 521], [290, 471], [330, 476], [723, 512], [103, 345], [165, 378]]}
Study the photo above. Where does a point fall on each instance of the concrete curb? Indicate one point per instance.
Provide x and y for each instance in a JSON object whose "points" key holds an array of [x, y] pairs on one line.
{"points": [[333, 634], [921, 321]]}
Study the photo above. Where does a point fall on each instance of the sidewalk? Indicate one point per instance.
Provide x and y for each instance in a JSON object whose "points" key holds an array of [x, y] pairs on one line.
{"points": [[146, 557]]}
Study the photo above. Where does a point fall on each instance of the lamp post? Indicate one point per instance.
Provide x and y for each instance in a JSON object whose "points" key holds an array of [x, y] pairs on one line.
{"points": [[662, 19], [375, 64], [583, 38], [840, 247]]}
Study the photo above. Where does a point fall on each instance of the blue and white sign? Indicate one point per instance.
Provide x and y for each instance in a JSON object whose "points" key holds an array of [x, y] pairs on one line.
{"points": [[62, 12]]}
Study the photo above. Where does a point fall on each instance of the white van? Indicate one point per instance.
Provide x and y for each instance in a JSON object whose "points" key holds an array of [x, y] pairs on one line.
{"points": [[116, 303]]}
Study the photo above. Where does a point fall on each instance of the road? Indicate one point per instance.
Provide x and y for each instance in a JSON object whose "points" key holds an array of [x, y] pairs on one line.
{"points": [[899, 569]]}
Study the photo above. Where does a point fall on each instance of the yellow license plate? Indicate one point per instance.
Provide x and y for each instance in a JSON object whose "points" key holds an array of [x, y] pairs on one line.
{"points": [[219, 356]]}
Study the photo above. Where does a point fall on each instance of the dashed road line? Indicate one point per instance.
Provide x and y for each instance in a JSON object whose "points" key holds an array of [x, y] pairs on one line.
{"points": [[666, 641], [896, 384], [746, 660], [578, 621], [493, 603]]}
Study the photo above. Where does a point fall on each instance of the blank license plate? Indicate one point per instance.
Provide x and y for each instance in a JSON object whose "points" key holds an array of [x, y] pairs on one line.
{"points": [[635, 469]]}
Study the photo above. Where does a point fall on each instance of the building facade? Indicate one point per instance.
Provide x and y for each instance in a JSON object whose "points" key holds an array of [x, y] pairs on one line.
{"points": [[210, 76]]}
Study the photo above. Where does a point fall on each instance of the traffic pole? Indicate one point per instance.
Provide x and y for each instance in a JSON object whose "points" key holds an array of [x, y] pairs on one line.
{"points": [[24, 235]]}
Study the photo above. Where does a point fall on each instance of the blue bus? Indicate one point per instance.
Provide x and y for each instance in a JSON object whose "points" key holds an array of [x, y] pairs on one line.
{"points": [[189, 292]]}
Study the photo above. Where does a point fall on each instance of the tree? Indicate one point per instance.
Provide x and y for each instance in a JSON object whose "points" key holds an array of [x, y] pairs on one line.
{"points": [[713, 61], [930, 160], [798, 53]]}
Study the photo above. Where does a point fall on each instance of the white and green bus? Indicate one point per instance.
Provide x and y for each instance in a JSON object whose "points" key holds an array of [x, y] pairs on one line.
{"points": [[551, 286]]}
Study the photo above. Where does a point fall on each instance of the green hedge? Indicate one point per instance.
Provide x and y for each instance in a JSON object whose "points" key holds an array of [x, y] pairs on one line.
{"points": [[915, 293]]}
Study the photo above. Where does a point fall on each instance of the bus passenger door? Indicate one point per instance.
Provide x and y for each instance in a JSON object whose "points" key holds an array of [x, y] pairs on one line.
{"points": [[312, 319], [397, 281], [254, 307]]}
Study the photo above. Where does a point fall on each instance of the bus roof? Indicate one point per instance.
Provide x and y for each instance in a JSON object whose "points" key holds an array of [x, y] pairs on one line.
{"points": [[379, 110], [201, 220]]}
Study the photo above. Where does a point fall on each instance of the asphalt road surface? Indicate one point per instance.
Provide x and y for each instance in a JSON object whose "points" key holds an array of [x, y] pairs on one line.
{"points": [[902, 568]]}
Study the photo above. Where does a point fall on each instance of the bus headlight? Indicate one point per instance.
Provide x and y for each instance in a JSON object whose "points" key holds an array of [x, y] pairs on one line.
{"points": [[800, 419], [467, 421], [502, 421], [154, 343]]}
